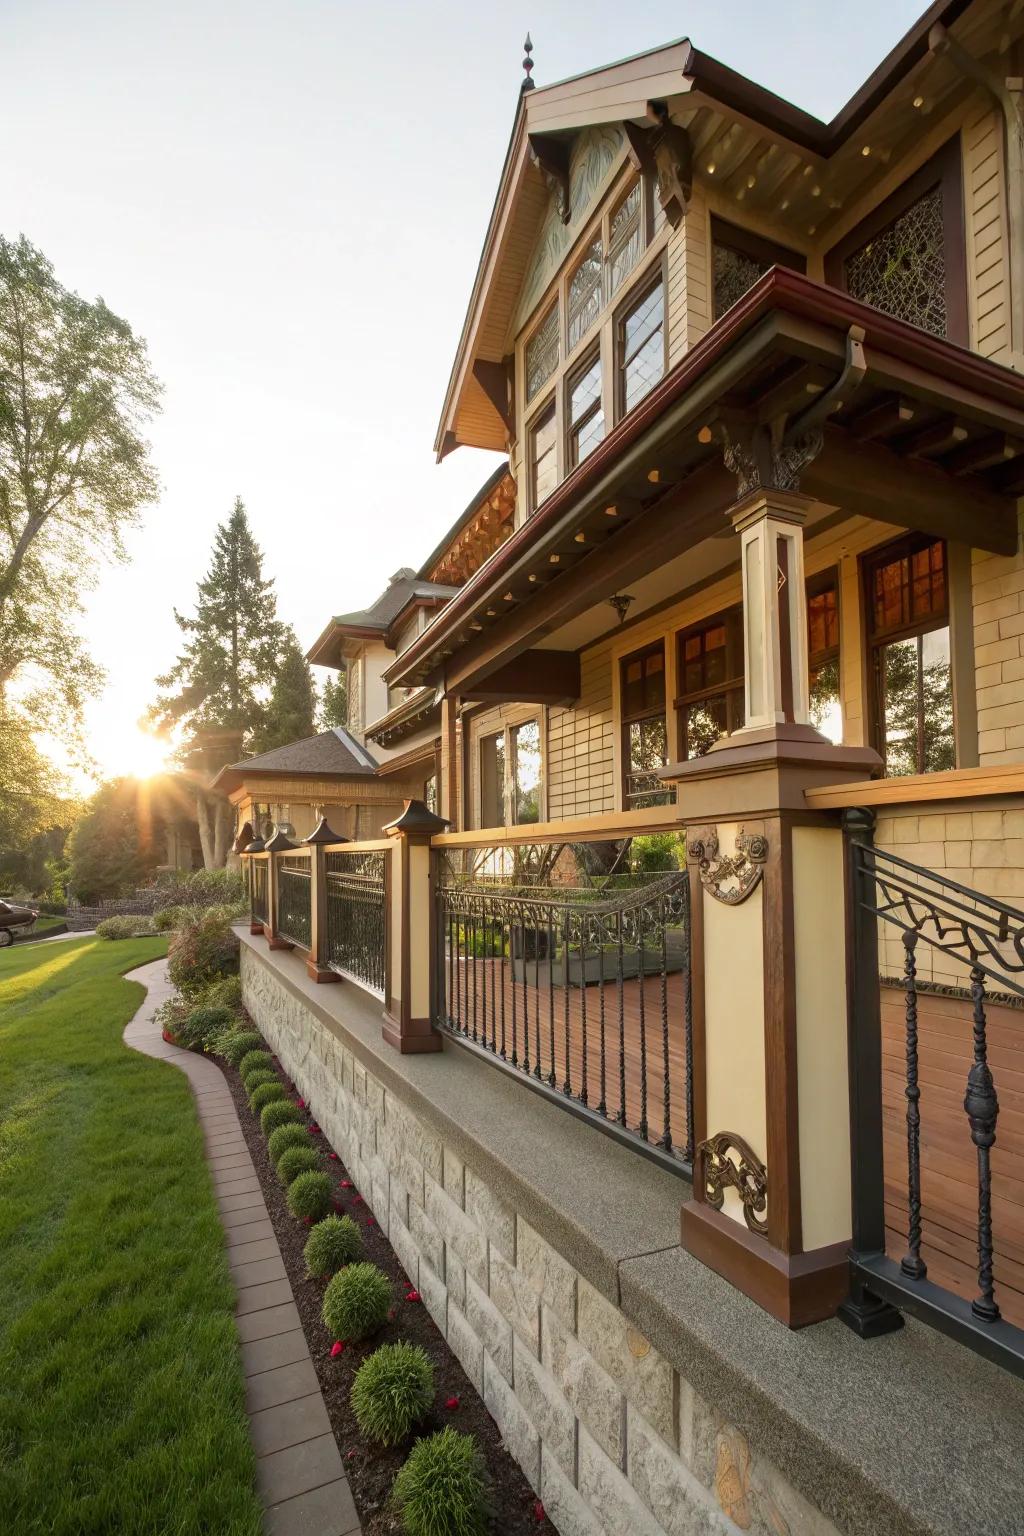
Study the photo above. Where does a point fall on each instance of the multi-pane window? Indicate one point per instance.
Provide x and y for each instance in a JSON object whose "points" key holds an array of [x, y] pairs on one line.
{"points": [[584, 298], [492, 780], [644, 731], [526, 772], [543, 458], [902, 269], [710, 702], [739, 258], [908, 616], [625, 238], [823, 654], [642, 346], [585, 416], [430, 793], [511, 776], [541, 353]]}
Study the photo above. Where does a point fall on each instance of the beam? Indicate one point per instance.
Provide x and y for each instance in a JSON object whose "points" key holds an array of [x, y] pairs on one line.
{"points": [[889, 415], [535, 677], [983, 453], [493, 380], [872, 480], [937, 437]]}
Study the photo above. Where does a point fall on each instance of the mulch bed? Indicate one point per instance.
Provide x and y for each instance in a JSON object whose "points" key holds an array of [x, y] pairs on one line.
{"points": [[371, 1469]]}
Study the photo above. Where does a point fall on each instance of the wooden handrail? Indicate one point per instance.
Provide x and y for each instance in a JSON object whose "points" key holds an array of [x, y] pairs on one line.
{"points": [[955, 784], [570, 829]]}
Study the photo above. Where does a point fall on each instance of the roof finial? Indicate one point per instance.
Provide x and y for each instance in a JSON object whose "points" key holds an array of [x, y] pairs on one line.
{"points": [[527, 84]]}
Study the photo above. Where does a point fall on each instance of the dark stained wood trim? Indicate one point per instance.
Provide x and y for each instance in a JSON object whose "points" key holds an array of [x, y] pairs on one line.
{"points": [[698, 1016], [780, 1049], [493, 380], [533, 677], [798, 1289]]}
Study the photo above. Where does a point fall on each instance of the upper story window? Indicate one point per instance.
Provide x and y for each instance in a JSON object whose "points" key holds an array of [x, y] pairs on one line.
{"points": [[584, 296], [908, 623], [625, 238], [641, 346], [586, 418], [739, 258], [541, 354], [644, 728], [543, 457], [710, 702]]}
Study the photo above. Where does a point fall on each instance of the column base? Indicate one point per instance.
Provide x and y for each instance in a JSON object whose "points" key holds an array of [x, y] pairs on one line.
{"points": [[867, 1314], [257, 928], [321, 973], [413, 1038], [797, 1288], [273, 942]]}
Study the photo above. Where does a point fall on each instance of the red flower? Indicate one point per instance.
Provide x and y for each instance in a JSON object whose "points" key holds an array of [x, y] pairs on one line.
{"points": [[452, 1402], [412, 1295], [336, 1348], [301, 1103], [391, 1313], [333, 1156], [314, 1130], [350, 1455], [338, 1206], [538, 1511], [357, 1199], [308, 1220], [370, 1221], [347, 1184]]}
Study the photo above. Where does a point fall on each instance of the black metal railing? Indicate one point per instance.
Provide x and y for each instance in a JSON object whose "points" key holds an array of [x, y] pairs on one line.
{"points": [[966, 934], [570, 965], [357, 926], [257, 890], [293, 919]]}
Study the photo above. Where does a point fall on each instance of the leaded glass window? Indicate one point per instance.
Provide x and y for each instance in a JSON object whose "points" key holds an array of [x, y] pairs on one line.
{"points": [[585, 293], [543, 458], [586, 418], [735, 273], [625, 239], [642, 346], [902, 270], [542, 353]]}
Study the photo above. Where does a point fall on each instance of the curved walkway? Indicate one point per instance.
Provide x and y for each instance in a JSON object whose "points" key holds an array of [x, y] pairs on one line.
{"points": [[299, 1472]]}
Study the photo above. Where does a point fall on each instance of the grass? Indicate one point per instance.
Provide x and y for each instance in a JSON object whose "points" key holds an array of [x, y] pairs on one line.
{"points": [[121, 1393]]}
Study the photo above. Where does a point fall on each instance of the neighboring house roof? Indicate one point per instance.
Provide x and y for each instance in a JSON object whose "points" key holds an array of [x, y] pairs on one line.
{"points": [[412, 715], [332, 754], [404, 588]]}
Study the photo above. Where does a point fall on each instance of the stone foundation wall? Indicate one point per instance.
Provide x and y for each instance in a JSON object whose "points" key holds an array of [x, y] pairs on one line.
{"points": [[610, 1434]]}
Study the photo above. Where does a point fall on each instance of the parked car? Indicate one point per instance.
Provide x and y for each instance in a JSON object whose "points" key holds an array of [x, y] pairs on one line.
{"points": [[11, 917]]}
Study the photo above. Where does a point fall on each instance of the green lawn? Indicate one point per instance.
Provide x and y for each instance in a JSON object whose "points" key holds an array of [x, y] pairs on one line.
{"points": [[121, 1394]]}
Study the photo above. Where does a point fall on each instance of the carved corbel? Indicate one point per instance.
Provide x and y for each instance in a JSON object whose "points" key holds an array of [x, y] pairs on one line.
{"points": [[729, 878], [726, 1161], [551, 157], [665, 153]]}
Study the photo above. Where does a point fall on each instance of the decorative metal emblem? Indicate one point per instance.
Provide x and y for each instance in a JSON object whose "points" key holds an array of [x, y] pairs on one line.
{"points": [[729, 878], [747, 1175]]}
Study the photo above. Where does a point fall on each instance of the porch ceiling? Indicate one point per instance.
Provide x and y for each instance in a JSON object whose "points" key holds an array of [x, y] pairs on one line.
{"points": [[931, 439]]}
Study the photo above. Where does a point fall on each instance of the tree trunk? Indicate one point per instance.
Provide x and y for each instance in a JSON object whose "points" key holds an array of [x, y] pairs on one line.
{"points": [[205, 831], [222, 820]]}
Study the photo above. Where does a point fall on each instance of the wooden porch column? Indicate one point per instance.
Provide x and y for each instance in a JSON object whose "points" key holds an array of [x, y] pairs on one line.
{"points": [[408, 1023], [771, 1208], [279, 843], [316, 961], [450, 797]]}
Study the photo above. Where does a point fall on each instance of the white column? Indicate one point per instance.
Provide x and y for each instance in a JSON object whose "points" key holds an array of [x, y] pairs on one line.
{"points": [[776, 684]]}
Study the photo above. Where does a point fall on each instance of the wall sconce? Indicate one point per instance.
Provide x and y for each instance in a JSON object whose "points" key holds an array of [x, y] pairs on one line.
{"points": [[621, 602]]}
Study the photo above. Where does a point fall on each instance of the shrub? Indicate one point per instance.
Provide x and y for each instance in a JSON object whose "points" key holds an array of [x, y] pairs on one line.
{"points": [[442, 1488], [257, 1079], [254, 1061], [333, 1243], [296, 1160], [237, 1045], [309, 1195], [202, 888], [201, 1027], [393, 1390], [201, 952], [356, 1302], [167, 918], [171, 1015], [225, 992], [264, 1094], [284, 1137], [123, 927], [281, 1112]]}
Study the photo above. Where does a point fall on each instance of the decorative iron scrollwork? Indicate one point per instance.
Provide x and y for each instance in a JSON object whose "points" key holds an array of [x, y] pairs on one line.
{"points": [[747, 1175], [729, 878]]}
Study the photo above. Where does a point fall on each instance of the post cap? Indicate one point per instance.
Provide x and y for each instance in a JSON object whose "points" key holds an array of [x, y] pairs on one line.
{"points": [[416, 817], [322, 833], [279, 843], [256, 846], [245, 836]]}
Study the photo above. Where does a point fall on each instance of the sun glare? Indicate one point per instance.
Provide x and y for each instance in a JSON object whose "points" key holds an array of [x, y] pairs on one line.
{"points": [[131, 753]]}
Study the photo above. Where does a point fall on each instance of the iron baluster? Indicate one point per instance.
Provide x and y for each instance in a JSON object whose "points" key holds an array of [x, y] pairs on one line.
{"points": [[567, 1079], [666, 1134], [583, 1008], [912, 1263], [620, 991], [982, 1108], [642, 998], [526, 999], [602, 1107], [552, 1078]]}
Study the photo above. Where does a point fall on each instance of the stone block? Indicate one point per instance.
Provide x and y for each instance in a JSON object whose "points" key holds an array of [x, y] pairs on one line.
{"points": [[546, 1407], [455, 1276], [398, 1196], [516, 1300], [644, 1376], [465, 1345], [564, 1508], [375, 1098], [455, 1177], [551, 1277], [602, 1486], [588, 1389], [680, 1503], [457, 1229], [959, 827], [490, 1327], [698, 1431], [406, 1252], [435, 1296], [521, 1439], [495, 1219], [779, 1510], [427, 1238]]}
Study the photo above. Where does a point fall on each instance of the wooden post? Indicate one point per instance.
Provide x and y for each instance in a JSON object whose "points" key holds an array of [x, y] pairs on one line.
{"points": [[316, 961], [449, 787], [408, 1022], [279, 843]]}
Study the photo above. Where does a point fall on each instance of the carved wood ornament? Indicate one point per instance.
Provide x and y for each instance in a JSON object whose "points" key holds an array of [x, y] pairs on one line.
{"points": [[664, 152], [728, 1162], [729, 878]]}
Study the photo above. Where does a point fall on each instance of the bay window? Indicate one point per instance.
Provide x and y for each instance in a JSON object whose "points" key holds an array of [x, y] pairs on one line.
{"points": [[826, 712], [543, 457]]}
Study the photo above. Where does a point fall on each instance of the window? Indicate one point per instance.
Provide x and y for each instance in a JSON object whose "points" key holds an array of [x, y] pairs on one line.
{"points": [[543, 458], [541, 354], [823, 654], [585, 294], [642, 346], [526, 772], [511, 776], [583, 410], [739, 258], [430, 793], [711, 678], [908, 619], [625, 239], [644, 732], [492, 780]]}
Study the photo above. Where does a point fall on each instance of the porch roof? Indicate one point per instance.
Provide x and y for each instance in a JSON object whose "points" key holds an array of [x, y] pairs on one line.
{"points": [[331, 754], [932, 437], [413, 714]]}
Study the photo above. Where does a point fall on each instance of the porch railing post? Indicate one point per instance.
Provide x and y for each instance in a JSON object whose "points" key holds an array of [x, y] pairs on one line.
{"points": [[317, 967], [408, 1016], [279, 843]]}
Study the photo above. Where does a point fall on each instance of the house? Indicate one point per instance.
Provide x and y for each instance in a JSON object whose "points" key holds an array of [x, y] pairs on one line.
{"points": [[729, 857]]}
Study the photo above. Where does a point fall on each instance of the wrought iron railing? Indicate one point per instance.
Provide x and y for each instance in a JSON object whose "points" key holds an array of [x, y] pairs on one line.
{"points": [[257, 890], [356, 903], [570, 965], [984, 938], [293, 918]]}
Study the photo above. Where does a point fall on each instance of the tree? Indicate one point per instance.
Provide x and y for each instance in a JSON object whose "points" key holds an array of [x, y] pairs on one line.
{"points": [[334, 701], [291, 712], [75, 391], [33, 801], [116, 844]]}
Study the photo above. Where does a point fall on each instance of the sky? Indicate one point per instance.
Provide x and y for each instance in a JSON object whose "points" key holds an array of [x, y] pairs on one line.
{"points": [[288, 202]]}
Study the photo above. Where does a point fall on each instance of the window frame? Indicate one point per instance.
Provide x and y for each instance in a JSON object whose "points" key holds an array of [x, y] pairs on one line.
{"points": [[829, 577], [506, 733], [732, 619], [943, 169], [634, 297], [572, 429], [626, 720], [539, 419], [756, 247]]}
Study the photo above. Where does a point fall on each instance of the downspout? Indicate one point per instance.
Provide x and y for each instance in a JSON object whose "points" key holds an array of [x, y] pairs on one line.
{"points": [[1008, 94]]}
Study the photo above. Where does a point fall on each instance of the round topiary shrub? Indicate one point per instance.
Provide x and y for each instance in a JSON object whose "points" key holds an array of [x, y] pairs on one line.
{"points": [[254, 1061], [442, 1488], [257, 1079], [393, 1390], [200, 1028], [356, 1302], [239, 1043], [284, 1137], [281, 1112], [309, 1195], [295, 1161], [333, 1243], [264, 1094]]}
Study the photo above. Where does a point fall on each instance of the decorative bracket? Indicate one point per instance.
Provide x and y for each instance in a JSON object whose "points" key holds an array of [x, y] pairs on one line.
{"points": [[551, 157], [729, 878], [747, 1175], [666, 153]]}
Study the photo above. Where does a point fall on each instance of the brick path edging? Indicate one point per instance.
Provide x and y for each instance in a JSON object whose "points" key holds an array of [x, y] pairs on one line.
{"points": [[299, 1474]]}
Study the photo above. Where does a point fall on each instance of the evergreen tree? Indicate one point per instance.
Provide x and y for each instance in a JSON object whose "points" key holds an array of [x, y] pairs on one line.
{"points": [[334, 701], [291, 712]]}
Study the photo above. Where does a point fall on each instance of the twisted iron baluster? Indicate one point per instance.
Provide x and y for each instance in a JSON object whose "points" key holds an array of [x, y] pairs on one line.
{"points": [[567, 1082], [526, 998], [912, 1263], [602, 1107], [471, 946], [641, 973], [620, 987], [583, 1004], [484, 911], [512, 941], [536, 1000], [552, 1079], [982, 1108], [501, 931], [666, 1135]]}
